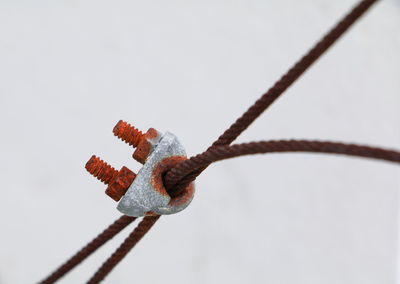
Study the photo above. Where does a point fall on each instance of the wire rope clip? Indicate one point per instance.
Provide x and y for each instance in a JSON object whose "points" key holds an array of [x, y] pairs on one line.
{"points": [[144, 194]]}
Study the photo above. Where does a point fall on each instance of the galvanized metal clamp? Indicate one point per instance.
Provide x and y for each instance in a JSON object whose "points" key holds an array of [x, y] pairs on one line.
{"points": [[144, 194]]}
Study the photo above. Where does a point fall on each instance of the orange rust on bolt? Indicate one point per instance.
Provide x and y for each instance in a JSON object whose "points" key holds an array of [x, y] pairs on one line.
{"points": [[118, 181], [157, 180], [100, 169], [143, 148], [128, 133], [118, 187]]}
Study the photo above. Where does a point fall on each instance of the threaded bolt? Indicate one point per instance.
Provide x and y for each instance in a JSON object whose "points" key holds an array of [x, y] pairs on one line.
{"points": [[127, 133], [101, 170], [118, 181]]}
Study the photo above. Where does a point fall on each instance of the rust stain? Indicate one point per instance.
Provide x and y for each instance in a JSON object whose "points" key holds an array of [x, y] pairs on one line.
{"points": [[128, 133], [101, 170], [184, 197], [118, 187], [157, 180], [143, 148], [142, 151], [150, 213]]}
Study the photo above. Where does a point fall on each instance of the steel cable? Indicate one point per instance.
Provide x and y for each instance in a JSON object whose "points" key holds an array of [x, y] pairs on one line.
{"points": [[138, 233], [181, 175], [230, 151], [91, 247], [175, 181]]}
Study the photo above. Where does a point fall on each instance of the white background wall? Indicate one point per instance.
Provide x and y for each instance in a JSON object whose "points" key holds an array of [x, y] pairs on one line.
{"points": [[71, 69]]}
